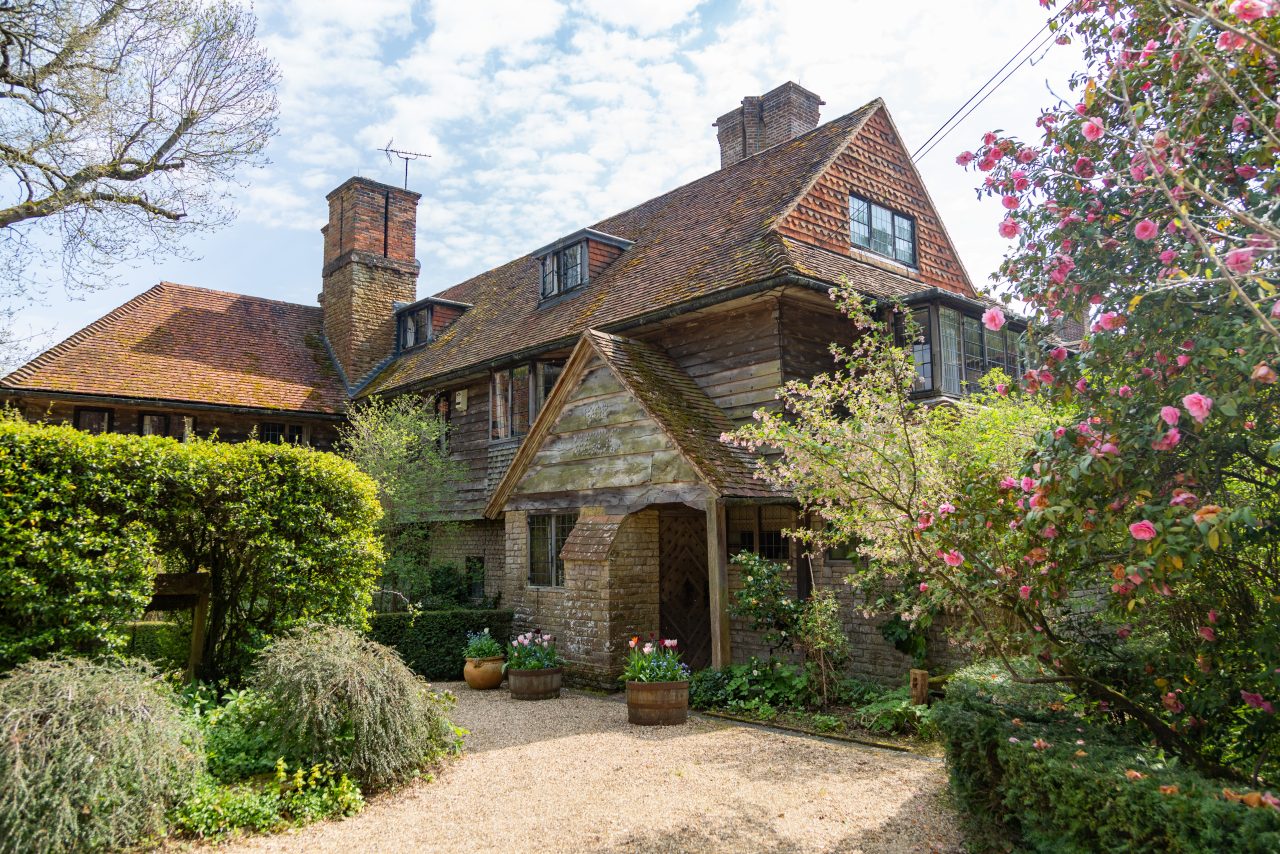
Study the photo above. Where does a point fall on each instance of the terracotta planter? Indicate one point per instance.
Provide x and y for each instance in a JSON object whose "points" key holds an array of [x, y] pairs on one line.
{"points": [[657, 703], [483, 674], [541, 684]]}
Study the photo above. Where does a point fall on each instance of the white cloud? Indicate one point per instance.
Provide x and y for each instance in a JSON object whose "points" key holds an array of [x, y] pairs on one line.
{"points": [[543, 116]]}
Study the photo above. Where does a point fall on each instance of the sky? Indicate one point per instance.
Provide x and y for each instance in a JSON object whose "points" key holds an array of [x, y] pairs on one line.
{"points": [[544, 116]]}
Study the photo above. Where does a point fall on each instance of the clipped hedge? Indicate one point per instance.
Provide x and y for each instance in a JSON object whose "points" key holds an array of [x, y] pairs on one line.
{"points": [[1047, 781], [286, 534], [164, 643], [431, 642]]}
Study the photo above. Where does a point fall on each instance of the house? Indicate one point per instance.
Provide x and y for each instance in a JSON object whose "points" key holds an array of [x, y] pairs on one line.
{"points": [[587, 383]]}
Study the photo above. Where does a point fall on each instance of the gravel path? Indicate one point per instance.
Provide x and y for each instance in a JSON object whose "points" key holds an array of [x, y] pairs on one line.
{"points": [[571, 775]]}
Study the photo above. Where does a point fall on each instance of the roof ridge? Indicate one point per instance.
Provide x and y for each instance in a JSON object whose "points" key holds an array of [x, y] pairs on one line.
{"points": [[166, 283], [80, 335]]}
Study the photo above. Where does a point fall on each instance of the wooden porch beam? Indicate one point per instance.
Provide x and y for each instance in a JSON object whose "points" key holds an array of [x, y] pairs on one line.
{"points": [[718, 581]]}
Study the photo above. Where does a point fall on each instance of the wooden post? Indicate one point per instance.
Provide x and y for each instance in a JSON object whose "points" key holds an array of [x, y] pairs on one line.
{"points": [[718, 582], [199, 616], [919, 687]]}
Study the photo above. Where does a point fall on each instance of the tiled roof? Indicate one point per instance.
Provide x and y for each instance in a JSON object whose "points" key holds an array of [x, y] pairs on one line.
{"points": [[711, 235], [180, 343], [684, 412]]}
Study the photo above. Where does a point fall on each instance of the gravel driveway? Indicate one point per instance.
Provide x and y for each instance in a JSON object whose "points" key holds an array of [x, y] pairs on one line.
{"points": [[571, 775]]}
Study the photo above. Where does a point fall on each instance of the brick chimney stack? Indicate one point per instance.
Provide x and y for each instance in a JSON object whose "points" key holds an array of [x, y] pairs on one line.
{"points": [[766, 120], [369, 265]]}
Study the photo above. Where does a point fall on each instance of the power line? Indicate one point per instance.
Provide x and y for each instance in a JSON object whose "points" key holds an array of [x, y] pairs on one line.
{"points": [[939, 135]]}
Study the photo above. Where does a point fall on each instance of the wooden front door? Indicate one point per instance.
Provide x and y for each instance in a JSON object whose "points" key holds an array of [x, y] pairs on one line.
{"points": [[684, 596]]}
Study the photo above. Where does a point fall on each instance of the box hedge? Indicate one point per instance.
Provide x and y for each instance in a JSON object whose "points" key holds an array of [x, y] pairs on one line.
{"points": [[1031, 774], [431, 642], [164, 643]]}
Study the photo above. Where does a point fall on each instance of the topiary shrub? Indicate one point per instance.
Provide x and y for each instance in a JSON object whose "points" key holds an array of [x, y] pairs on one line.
{"points": [[431, 642], [92, 754], [1028, 772], [337, 697]]}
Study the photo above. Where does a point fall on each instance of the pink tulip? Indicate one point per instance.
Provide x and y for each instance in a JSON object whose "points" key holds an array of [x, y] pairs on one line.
{"points": [[1143, 530]]}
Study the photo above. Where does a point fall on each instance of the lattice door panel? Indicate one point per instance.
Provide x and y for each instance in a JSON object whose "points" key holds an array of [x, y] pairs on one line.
{"points": [[684, 603]]}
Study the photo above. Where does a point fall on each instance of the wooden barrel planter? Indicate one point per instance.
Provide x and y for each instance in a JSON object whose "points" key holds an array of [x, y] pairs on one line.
{"points": [[482, 674], [541, 684], [657, 703]]}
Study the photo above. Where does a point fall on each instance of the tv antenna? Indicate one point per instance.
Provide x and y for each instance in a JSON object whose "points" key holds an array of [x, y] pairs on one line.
{"points": [[406, 156]]}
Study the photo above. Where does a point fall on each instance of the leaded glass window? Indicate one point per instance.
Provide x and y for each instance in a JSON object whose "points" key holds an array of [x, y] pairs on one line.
{"points": [[881, 230], [548, 532], [564, 269]]}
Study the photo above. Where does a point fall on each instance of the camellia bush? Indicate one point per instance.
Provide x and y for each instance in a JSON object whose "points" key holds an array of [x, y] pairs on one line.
{"points": [[1149, 210]]}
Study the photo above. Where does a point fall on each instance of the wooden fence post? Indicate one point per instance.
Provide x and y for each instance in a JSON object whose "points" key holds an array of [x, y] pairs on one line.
{"points": [[919, 687]]}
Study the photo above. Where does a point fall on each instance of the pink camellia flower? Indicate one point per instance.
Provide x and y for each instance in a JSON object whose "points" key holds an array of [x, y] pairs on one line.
{"points": [[989, 138], [1058, 354], [946, 507], [1170, 414], [1256, 701], [1059, 432], [1250, 10], [964, 158], [1008, 228], [1024, 591], [1143, 530], [1213, 616], [1049, 532], [1084, 168], [1009, 202], [1184, 498], [1262, 373], [1028, 484], [924, 586], [1228, 40], [1239, 260], [1183, 360], [1171, 702], [1093, 129], [1247, 172], [1197, 406], [1111, 320], [1208, 634], [1008, 483], [953, 558], [1124, 391], [1082, 385], [1240, 124], [1275, 308], [993, 319], [1146, 230], [1123, 632], [1002, 389], [1168, 441]]}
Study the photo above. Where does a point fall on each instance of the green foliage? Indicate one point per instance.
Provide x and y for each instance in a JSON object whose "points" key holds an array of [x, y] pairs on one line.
{"points": [[765, 600], [286, 534], [1029, 774], [654, 660], [891, 711], [533, 650], [821, 638], [432, 642], [238, 743], [75, 561], [400, 443], [334, 696], [482, 644], [165, 644], [91, 755], [290, 798], [753, 687]]}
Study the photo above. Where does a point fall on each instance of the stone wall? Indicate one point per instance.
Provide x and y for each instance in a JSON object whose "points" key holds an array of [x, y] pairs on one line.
{"points": [[456, 542]]}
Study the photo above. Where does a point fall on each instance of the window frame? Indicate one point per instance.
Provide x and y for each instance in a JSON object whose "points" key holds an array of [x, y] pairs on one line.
{"points": [[98, 410], [556, 537], [263, 431], [142, 420], [536, 396], [408, 320], [552, 270], [895, 218], [955, 370]]}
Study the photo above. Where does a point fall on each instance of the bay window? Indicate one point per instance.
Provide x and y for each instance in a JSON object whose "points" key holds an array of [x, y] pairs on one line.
{"points": [[953, 351]]}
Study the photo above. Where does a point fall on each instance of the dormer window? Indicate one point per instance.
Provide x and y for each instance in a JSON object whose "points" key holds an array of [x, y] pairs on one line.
{"points": [[564, 269], [883, 231], [420, 322], [415, 327]]}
